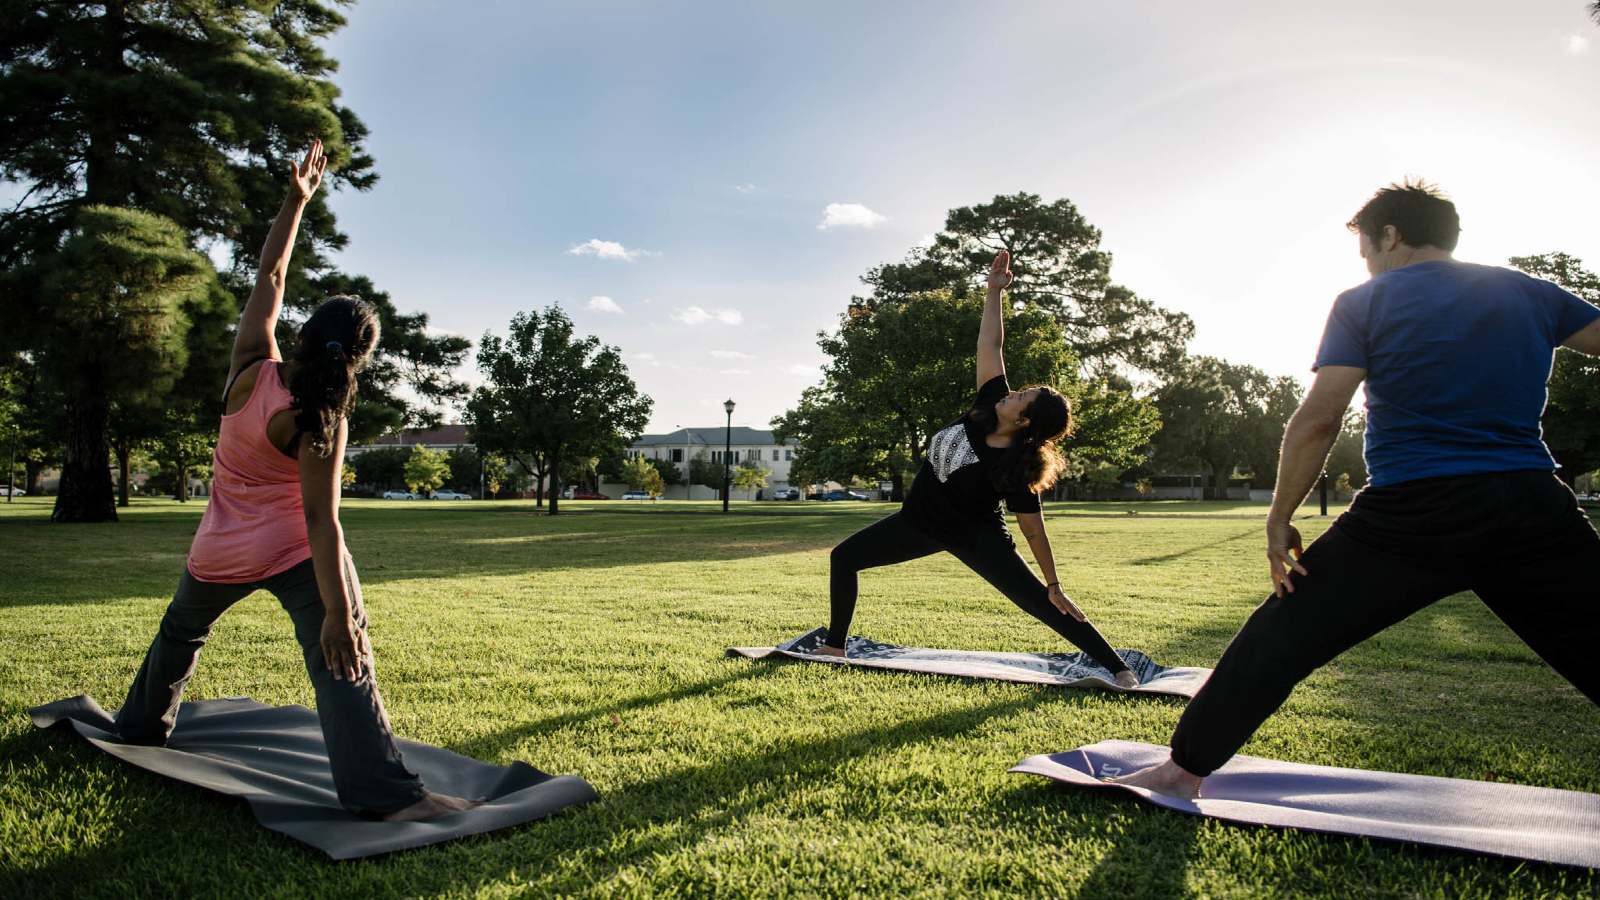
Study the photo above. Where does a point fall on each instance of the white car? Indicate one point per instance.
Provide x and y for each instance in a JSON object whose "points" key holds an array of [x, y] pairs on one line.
{"points": [[399, 495], [449, 495], [636, 495], [12, 492]]}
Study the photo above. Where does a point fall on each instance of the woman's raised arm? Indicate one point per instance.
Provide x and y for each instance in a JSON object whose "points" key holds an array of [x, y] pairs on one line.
{"points": [[992, 331], [255, 338]]}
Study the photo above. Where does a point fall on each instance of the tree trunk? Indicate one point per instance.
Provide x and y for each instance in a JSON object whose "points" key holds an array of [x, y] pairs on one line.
{"points": [[538, 490], [85, 494], [124, 453], [1219, 482], [898, 492], [180, 492], [555, 482], [33, 477]]}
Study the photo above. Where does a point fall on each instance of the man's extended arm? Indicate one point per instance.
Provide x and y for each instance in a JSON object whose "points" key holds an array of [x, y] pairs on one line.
{"points": [[1306, 442]]}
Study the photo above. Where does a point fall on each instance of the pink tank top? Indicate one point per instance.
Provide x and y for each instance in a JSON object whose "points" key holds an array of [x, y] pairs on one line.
{"points": [[255, 526]]}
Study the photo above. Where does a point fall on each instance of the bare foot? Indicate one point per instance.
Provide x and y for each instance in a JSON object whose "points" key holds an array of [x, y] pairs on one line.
{"points": [[829, 650], [1126, 679], [431, 806], [1168, 778]]}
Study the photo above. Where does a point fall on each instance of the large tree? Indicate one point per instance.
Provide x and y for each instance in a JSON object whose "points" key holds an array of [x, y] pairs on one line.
{"points": [[1058, 266], [1572, 416], [1222, 416], [549, 396], [110, 326], [188, 109], [898, 371]]}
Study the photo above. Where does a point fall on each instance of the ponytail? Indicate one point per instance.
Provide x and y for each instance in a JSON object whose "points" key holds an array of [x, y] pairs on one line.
{"points": [[335, 344]]}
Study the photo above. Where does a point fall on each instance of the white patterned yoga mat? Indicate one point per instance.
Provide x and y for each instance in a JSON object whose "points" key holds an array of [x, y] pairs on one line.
{"points": [[1077, 670], [1513, 820]]}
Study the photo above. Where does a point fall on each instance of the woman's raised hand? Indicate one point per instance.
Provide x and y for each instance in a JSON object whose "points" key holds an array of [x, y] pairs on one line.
{"points": [[306, 176], [1000, 272]]}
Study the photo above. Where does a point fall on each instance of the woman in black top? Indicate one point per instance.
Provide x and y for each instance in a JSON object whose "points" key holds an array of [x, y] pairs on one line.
{"points": [[1003, 447]]}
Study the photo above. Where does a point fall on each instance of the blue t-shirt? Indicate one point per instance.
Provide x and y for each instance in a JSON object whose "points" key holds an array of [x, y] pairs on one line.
{"points": [[1457, 358]]}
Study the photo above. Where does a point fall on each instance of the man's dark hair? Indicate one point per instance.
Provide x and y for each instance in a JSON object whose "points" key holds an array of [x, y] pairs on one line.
{"points": [[1418, 210]]}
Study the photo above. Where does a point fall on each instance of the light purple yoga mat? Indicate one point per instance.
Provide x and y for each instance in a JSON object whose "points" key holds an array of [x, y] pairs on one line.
{"points": [[1077, 670], [1514, 820]]}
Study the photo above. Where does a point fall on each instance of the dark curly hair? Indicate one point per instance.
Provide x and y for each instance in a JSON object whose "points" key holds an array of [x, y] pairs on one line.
{"points": [[1419, 211], [1033, 462], [335, 344]]}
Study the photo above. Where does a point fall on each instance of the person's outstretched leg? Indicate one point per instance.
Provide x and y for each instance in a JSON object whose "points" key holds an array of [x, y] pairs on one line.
{"points": [[1353, 592], [151, 708], [371, 777], [1545, 584], [883, 543], [995, 558]]}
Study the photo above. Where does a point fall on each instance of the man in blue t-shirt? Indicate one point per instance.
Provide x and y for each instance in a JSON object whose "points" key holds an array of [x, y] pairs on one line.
{"points": [[1462, 494]]}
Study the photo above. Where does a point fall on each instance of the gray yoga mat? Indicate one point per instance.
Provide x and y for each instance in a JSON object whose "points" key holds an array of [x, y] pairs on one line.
{"points": [[274, 758], [1512, 820], [1077, 670]]}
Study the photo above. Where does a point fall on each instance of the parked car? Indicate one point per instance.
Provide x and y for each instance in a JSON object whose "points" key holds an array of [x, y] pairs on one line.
{"points": [[786, 494], [586, 495], [636, 495], [399, 495], [449, 495], [843, 495], [12, 492]]}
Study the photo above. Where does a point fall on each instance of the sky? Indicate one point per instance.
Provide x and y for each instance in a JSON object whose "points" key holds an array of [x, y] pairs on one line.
{"points": [[703, 184]]}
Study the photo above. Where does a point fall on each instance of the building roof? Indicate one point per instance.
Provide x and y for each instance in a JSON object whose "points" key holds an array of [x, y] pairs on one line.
{"points": [[709, 437], [444, 434]]}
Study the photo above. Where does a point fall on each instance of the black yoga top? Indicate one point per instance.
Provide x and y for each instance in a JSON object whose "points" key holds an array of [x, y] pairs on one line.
{"points": [[953, 496]]}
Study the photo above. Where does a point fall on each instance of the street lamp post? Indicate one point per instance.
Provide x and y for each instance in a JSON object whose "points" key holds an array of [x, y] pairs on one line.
{"points": [[727, 456]]}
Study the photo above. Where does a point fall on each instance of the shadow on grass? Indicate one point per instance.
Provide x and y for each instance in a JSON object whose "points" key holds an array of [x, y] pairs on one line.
{"points": [[1180, 554], [488, 746]]}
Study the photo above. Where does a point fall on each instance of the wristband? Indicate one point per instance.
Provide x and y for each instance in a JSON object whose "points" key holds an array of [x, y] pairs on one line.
{"points": [[1053, 584]]}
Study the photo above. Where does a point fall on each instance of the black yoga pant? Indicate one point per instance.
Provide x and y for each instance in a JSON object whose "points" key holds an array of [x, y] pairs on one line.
{"points": [[1518, 540], [368, 772], [893, 539]]}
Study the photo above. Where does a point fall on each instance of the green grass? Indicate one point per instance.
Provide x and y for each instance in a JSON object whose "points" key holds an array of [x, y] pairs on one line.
{"points": [[592, 643]]}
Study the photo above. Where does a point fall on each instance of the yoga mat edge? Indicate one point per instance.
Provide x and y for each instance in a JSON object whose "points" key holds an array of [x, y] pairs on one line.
{"points": [[1488, 818]]}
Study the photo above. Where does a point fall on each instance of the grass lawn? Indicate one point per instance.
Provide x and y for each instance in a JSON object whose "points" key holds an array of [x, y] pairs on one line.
{"points": [[592, 643]]}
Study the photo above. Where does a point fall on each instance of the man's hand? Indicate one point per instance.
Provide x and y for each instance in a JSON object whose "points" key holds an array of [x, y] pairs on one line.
{"points": [[1000, 272], [306, 176], [1060, 600], [1281, 538], [344, 647]]}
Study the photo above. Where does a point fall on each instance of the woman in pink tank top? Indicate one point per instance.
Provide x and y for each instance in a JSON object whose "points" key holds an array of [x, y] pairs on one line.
{"points": [[273, 523]]}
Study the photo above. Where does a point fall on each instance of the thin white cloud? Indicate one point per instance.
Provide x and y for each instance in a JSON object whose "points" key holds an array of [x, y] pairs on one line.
{"points": [[746, 188], [604, 305], [608, 250], [648, 359], [849, 215], [694, 315], [731, 354], [804, 371], [733, 372], [1577, 43]]}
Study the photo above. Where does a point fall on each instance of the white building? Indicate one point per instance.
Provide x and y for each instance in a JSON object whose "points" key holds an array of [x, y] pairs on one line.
{"points": [[747, 444]]}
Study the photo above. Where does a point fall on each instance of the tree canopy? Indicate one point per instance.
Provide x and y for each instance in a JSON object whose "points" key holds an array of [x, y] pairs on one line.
{"points": [[1057, 265], [1572, 416], [186, 110], [1221, 416], [549, 395]]}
